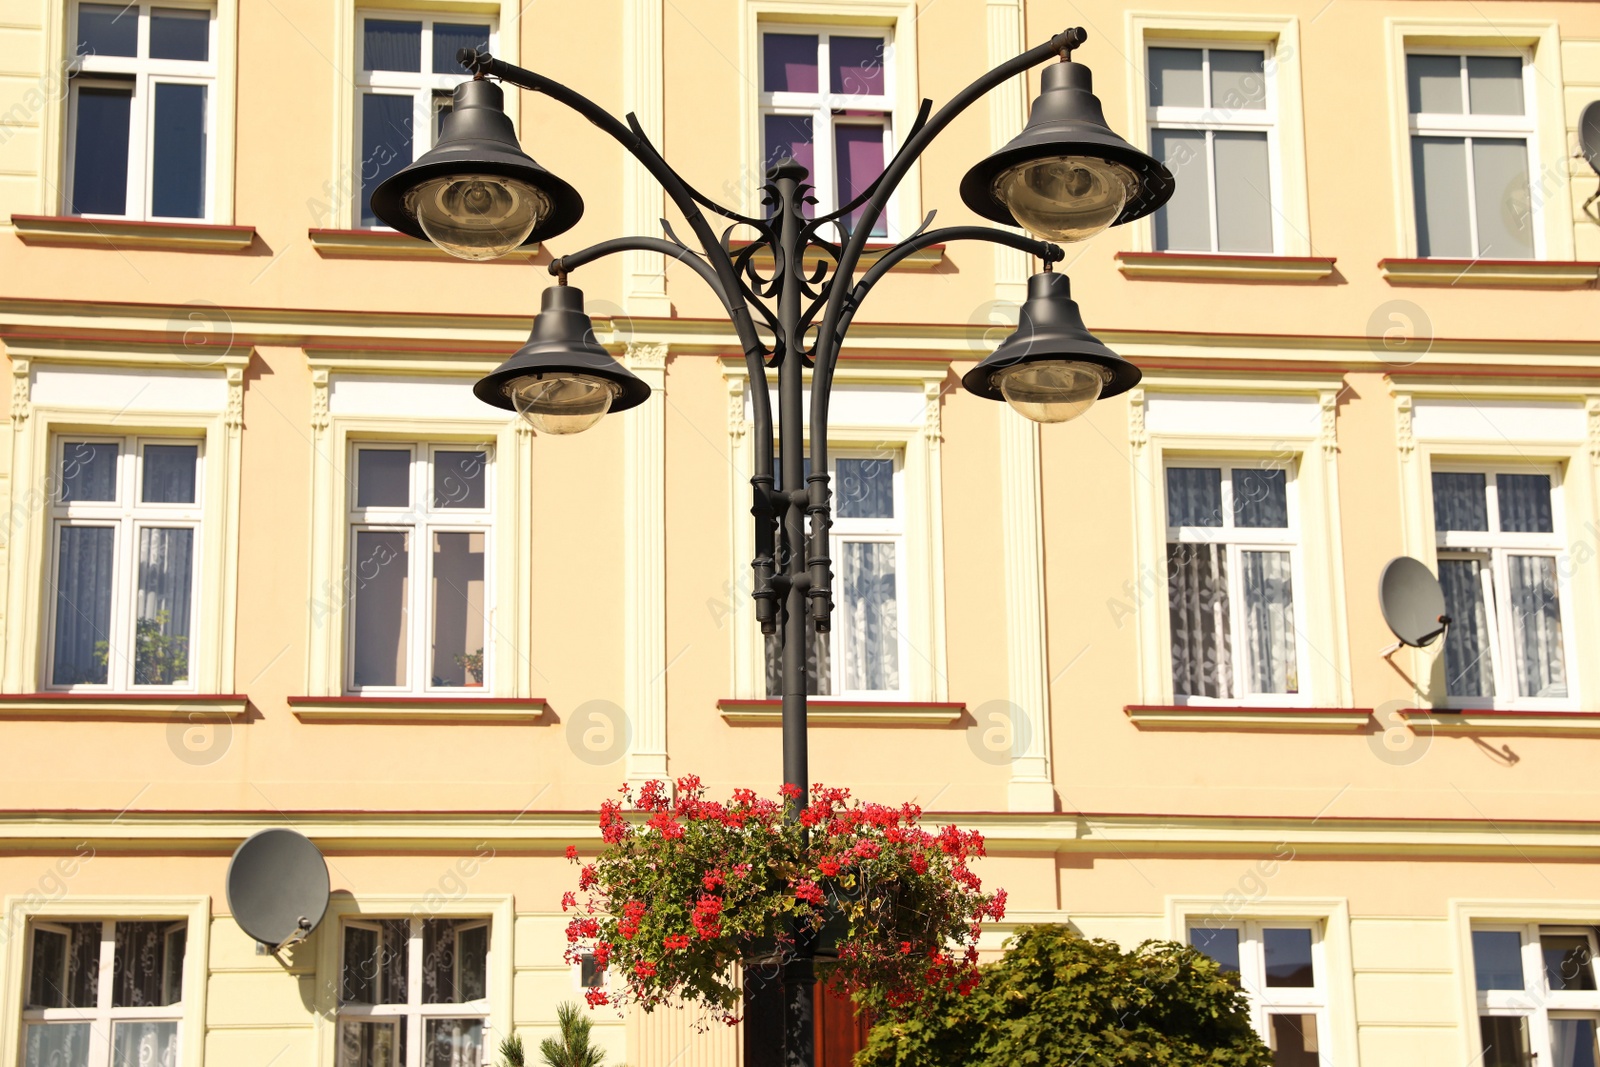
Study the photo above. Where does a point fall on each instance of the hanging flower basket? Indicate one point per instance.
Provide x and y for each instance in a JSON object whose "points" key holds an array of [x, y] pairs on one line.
{"points": [[688, 887]]}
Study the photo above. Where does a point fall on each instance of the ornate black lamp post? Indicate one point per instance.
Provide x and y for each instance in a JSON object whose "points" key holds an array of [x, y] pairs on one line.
{"points": [[1066, 177]]}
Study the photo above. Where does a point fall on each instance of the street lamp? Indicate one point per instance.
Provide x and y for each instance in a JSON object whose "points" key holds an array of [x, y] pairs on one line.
{"points": [[1066, 177]]}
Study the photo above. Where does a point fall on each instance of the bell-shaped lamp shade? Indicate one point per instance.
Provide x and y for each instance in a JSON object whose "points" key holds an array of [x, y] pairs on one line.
{"points": [[1052, 368], [1066, 176], [476, 194], [562, 381]]}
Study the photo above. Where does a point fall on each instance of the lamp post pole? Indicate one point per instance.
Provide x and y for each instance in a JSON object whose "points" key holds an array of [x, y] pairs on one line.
{"points": [[1067, 176]]}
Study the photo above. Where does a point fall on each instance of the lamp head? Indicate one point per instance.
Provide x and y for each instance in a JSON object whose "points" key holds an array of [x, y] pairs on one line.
{"points": [[476, 193]]}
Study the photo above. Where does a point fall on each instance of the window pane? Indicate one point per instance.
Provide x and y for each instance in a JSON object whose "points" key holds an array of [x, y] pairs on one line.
{"points": [[1460, 501], [870, 638], [386, 144], [88, 471], [1503, 200], [178, 170], [65, 971], [1294, 1041], [864, 489], [176, 33], [84, 576], [56, 1045], [1194, 496], [1524, 503], [144, 1044], [1197, 600], [1494, 85], [1177, 77], [788, 63], [172, 982], [365, 1043], [108, 29], [100, 151], [383, 478], [1568, 963], [47, 968], [455, 960], [1536, 627], [590, 976], [1468, 665], [1497, 959], [855, 65], [1184, 223], [1221, 945], [472, 962], [1289, 958], [458, 609], [375, 962], [459, 479], [139, 972], [382, 594], [450, 37], [1505, 1041], [161, 611], [788, 137], [1268, 592], [169, 474], [858, 158], [454, 1043], [1238, 80], [1261, 498], [1573, 1042], [391, 44], [1244, 192], [1433, 84], [1439, 166]]}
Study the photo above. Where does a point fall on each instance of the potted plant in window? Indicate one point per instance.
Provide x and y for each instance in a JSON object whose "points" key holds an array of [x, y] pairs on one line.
{"points": [[159, 658], [690, 886], [472, 663]]}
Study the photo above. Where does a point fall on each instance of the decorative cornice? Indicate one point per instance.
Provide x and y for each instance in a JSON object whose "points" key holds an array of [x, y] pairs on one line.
{"points": [[234, 418], [1328, 400], [119, 707], [646, 355], [1244, 719], [1501, 273], [824, 711], [1224, 267], [20, 391], [120, 234], [391, 244], [932, 415], [736, 419], [1138, 436], [319, 398], [420, 711], [1524, 723], [1405, 438]]}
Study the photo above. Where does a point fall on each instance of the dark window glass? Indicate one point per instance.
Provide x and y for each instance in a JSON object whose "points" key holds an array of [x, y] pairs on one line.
{"points": [[1261, 499], [1294, 1041], [1433, 84], [108, 30], [858, 158], [591, 976], [459, 479], [1194, 496], [178, 171], [1497, 959], [100, 151], [1568, 964], [169, 474], [1505, 1041], [65, 969], [1460, 501], [1524, 501], [449, 38], [1289, 958], [864, 489], [390, 44], [1221, 945], [386, 144], [88, 471], [788, 63], [383, 478], [855, 65], [179, 34], [83, 605]]}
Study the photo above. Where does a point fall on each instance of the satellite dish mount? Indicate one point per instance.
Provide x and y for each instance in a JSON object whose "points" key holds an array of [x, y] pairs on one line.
{"points": [[277, 888], [1413, 605]]}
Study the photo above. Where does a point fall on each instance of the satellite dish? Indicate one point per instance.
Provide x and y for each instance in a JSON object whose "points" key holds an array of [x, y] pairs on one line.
{"points": [[1589, 134], [277, 887], [1412, 602]]}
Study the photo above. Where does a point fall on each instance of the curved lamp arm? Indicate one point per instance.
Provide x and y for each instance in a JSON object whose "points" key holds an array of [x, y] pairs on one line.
{"points": [[707, 273]]}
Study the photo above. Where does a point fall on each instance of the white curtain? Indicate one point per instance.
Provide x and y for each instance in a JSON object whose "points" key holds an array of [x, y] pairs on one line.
{"points": [[1194, 496], [56, 1045], [1268, 593], [1536, 627], [455, 1043], [1468, 666], [870, 640], [1573, 1042], [83, 604], [1197, 601], [371, 1044], [166, 571], [144, 1044]]}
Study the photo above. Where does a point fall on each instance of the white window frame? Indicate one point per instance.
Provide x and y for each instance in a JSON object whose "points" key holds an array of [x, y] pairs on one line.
{"points": [[102, 1017], [420, 520], [1239, 539], [1536, 1001], [143, 74], [127, 515], [1267, 1001], [424, 87], [413, 1015], [820, 107], [1211, 120], [1468, 126], [1492, 547]]}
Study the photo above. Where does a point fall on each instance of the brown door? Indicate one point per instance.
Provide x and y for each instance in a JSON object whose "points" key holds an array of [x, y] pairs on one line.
{"points": [[841, 1032]]}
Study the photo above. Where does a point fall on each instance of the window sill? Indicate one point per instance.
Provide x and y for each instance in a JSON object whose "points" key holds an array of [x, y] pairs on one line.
{"points": [[923, 259], [1501, 273], [122, 707], [1246, 717], [72, 232], [1484, 721], [826, 711], [1225, 267], [421, 711], [390, 244]]}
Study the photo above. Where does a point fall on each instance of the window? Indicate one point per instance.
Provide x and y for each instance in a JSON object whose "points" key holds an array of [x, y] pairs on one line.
{"points": [[104, 994], [414, 993], [1498, 547], [1213, 121], [827, 102], [404, 88], [126, 530], [1231, 560], [420, 524], [140, 113], [1472, 127], [863, 653], [1280, 967], [1537, 998]]}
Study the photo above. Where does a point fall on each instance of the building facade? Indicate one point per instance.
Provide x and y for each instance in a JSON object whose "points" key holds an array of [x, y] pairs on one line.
{"points": [[267, 562]]}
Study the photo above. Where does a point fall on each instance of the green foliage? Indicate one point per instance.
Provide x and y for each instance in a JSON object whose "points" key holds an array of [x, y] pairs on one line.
{"points": [[1058, 1000], [472, 663], [572, 1048], [511, 1052], [159, 658]]}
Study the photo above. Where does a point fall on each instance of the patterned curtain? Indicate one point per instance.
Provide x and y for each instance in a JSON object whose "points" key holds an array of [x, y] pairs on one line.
{"points": [[161, 618], [454, 1043], [83, 605], [870, 635], [1468, 666], [1194, 496], [1536, 627], [1268, 595], [1197, 597], [1261, 498], [1524, 501], [145, 1043], [168, 474], [1460, 501]]}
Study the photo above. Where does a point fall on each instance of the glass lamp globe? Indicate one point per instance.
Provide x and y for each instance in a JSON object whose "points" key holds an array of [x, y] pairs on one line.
{"points": [[1069, 198], [562, 404], [477, 216], [1051, 390]]}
